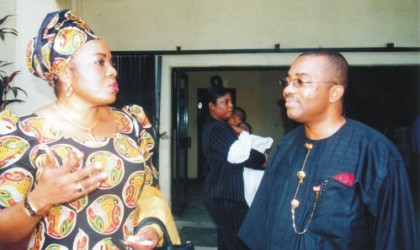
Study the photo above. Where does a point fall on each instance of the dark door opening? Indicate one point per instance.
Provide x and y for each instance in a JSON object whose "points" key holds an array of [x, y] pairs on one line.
{"points": [[386, 98], [181, 141]]}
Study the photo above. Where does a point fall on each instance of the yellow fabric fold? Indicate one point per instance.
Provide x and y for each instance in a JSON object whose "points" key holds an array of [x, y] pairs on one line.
{"points": [[152, 203]]}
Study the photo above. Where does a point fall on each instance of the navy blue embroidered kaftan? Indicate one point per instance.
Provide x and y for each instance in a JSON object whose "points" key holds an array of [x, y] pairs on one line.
{"points": [[365, 201]]}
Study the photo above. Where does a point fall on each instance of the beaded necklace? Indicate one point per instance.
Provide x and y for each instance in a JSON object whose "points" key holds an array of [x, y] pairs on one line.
{"points": [[294, 204]]}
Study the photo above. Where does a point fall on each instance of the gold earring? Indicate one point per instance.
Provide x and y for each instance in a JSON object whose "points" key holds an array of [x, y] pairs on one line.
{"points": [[69, 91]]}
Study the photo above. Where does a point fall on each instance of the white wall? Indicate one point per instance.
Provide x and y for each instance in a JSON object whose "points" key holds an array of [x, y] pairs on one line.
{"points": [[217, 24], [7, 48], [27, 19], [220, 24]]}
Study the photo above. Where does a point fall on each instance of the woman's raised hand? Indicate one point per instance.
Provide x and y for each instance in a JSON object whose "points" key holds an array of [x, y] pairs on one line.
{"points": [[59, 184]]}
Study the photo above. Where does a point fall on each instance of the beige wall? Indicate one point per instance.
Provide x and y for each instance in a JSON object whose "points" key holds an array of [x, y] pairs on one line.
{"points": [[217, 24], [220, 24]]}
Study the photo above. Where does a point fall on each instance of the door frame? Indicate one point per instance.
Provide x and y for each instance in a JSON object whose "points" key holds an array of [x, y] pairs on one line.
{"points": [[181, 141], [244, 60]]}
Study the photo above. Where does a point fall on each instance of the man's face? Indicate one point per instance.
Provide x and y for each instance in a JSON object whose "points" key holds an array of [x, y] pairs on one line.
{"points": [[307, 95]]}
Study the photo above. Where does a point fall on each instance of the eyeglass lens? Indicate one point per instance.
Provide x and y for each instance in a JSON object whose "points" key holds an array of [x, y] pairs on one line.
{"points": [[296, 83]]}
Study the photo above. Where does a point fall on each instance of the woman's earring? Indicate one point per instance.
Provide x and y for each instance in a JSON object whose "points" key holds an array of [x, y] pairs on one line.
{"points": [[69, 91]]}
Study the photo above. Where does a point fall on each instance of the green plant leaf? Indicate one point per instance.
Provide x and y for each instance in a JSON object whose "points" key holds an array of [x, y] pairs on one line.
{"points": [[163, 136], [5, 79], [7, 102], [4, 31], [9, 31], [5, 63], [15, 91], [4, 19], [10, 78]]}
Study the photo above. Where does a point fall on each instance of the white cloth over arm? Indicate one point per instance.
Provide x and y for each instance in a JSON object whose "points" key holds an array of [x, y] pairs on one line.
{"points": [[240, 151]]}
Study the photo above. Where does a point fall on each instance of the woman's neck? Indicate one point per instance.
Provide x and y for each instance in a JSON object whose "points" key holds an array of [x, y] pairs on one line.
{"points": [[82, 115]]}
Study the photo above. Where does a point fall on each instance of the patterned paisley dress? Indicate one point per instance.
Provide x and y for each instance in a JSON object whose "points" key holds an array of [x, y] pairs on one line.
{"points": [[91, 221]]}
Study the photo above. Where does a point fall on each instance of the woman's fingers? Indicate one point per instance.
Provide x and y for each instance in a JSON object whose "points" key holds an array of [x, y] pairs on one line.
{"points": [[70, 181], [90, 173], [88, 179], [73, 161], [50, 161]]}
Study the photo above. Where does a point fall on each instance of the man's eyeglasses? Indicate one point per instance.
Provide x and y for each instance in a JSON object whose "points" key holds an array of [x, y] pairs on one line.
{"points": [[297, 83]]}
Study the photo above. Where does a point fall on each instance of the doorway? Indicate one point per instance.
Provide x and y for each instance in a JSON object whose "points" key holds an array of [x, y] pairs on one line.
{"points": [[181, 141], [376, 96], [251, 88], [254, 89]]}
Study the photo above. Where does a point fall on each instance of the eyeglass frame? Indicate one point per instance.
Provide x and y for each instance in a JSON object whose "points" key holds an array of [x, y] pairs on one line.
{"points": [[284, 82]]}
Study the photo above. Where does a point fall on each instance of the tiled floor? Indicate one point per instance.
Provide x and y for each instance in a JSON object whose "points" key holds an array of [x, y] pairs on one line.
{"points": [[205, 248], [195, 223]]}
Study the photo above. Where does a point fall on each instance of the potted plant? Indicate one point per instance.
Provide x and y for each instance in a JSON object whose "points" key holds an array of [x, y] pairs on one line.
{"points": [[5, 79]]}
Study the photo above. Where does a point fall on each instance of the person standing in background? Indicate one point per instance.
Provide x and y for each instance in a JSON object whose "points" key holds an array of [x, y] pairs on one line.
{"points": [[333, 182], [224, 185]]}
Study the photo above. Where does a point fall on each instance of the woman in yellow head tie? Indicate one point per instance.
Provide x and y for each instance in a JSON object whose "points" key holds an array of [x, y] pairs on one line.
{"points": [[67, 177]]}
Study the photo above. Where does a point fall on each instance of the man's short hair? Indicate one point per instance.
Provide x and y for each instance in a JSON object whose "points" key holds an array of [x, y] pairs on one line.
{"points": [[337, 60]]}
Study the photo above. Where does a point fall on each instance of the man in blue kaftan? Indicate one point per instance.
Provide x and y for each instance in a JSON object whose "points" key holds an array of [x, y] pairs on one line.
{"points": [[333, 182]]}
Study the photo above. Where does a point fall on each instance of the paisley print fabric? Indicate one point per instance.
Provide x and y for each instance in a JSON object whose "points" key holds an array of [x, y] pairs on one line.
{"points": [[91, 221], [61, 34]]}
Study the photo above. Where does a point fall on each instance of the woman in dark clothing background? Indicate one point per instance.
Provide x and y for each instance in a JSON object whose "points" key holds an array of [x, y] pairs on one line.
{"points": [[224, 186]]}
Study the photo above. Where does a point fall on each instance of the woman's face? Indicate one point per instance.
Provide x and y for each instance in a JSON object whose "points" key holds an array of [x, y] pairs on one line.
{"points": [[93, 77], [222, 109]]}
